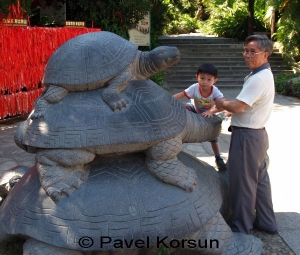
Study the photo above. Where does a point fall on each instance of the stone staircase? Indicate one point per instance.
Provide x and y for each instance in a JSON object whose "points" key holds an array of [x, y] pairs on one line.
{"points": [[224, 53]]}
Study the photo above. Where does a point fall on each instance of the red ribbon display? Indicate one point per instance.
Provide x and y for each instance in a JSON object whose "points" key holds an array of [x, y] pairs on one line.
{"points": [[24, 53]]}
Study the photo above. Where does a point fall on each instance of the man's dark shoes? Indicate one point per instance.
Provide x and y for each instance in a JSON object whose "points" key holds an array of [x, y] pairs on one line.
{"points": [[220, 164]]}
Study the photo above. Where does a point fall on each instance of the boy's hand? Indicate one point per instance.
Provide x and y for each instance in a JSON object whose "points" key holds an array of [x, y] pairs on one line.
{"points": [[207, 114]]}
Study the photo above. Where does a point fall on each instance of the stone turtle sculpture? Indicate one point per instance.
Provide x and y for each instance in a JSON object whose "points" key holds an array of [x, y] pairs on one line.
{"points": [[123, 209], [99, 59], [82, 125]]}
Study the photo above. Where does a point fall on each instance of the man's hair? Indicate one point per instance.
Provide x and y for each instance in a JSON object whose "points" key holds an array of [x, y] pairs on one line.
{"points": [[208, 69], [264, 44]]}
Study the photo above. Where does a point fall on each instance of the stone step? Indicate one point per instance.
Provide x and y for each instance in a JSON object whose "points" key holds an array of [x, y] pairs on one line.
{"points": [[217, 61], [222, 69], [209, 46], [222, 54], [222, 75], [192, 68], [194, 39], [218, 52]]}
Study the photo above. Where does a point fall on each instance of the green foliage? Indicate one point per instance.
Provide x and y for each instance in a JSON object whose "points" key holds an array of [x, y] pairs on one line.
{"points": [[284, 85], [183, 25], [288, 32], [180, 17], [231, 21], [293, 89], [159, 11], [158, 78]]}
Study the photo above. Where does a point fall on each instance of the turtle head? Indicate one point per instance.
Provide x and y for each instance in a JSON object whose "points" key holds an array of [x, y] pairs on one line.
{"points": [[159, 59]]}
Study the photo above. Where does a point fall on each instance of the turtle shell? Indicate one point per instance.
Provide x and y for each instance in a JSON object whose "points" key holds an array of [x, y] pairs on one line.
{"points": [[83, 119], [89, 58], [119, 200]]}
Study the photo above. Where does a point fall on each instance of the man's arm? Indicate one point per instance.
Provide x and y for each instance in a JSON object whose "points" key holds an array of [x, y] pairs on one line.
{"points": [[234, 106]]}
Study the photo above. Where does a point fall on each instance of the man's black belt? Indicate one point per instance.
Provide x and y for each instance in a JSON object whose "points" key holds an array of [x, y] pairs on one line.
{"points": [[236, 127]]}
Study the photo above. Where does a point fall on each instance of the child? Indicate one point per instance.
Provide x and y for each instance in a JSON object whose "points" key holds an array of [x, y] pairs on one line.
{"points": [[202, 96]]}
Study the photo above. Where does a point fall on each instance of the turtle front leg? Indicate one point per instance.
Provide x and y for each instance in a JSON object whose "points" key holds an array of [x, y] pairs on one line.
{"points": [[62, 170], [162, 162], [112, 93], [52, 95], [216, 237]]}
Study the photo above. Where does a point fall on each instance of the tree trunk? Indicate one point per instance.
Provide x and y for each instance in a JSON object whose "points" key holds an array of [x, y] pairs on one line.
{"points": [[251, 17], [274, 21], [199, 13]]}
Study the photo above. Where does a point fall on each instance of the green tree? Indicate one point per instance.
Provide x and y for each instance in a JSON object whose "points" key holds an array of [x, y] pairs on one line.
{"points": [[288, 28]]}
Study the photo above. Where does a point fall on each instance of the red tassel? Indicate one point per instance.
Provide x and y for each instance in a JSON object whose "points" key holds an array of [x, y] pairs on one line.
{"points": [[25, 52]]}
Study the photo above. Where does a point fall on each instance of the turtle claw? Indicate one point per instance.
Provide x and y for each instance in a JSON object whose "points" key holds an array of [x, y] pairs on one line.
{"points": [[40, 107], [119, 105], [66, 173], [114, 99], [173, 172], [57, 193], [64, 183], [191, 182], [54, 194], [66, 191], [75, 185], [37, 115]]}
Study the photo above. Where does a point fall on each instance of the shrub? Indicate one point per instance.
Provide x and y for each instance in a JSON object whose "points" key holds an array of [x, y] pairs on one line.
{"points": [[182, 25], [293, 89], [284, 85], [158, 78]]}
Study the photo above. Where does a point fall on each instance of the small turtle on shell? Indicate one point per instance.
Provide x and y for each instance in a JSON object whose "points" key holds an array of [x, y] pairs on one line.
{"points": [[9, 179], [99, 59], [81, 126], [122, 209]]}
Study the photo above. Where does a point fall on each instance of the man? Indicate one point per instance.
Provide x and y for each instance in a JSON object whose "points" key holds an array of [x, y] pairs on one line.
{"points": [[250, 187]]}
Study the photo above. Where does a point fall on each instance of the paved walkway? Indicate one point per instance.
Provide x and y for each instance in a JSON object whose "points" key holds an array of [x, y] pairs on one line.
{"points": [[284, 171]]}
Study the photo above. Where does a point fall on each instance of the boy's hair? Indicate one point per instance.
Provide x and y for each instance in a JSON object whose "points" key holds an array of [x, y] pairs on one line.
{"points": [[208, 69]]}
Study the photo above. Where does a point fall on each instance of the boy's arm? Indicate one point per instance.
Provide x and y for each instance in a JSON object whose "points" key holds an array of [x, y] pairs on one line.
{"points": [[179, 95]]}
